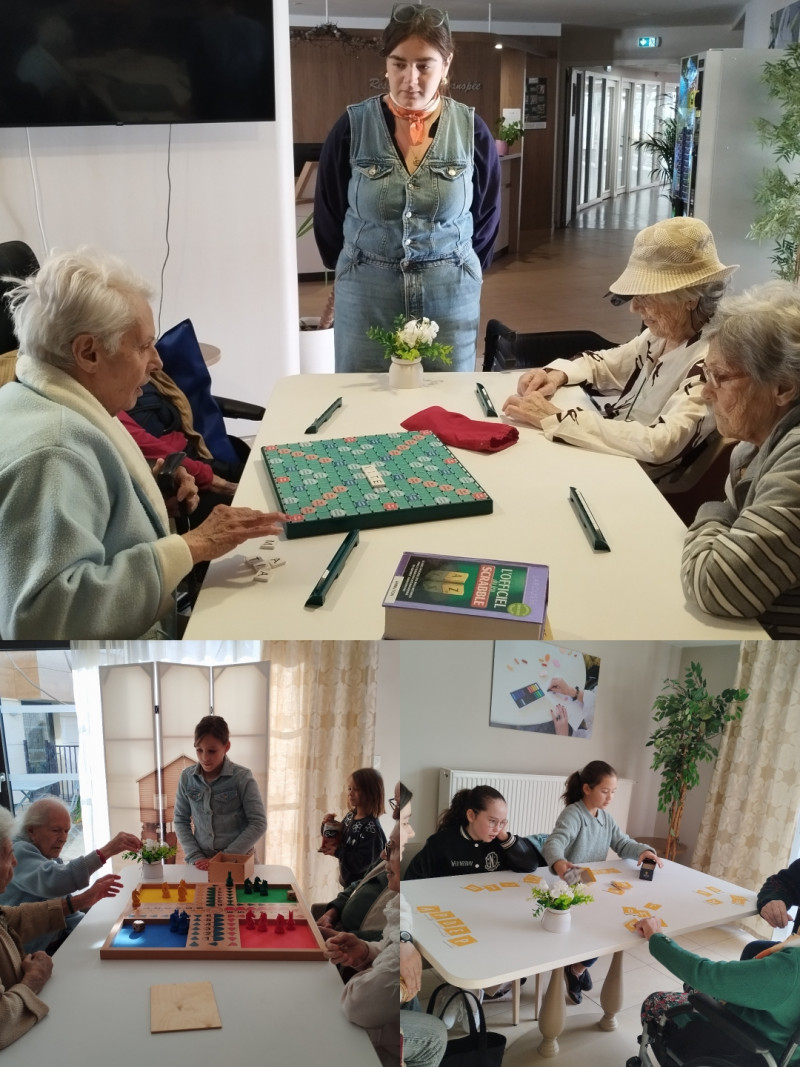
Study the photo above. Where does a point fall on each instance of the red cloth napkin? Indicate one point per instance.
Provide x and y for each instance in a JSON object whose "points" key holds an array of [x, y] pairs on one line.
{"points": [[453, 428]]}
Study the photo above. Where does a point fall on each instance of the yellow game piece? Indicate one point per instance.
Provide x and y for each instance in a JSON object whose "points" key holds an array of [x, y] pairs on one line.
{"points": [[473, 888], [182, 890], [165, 890], [136, 900]]}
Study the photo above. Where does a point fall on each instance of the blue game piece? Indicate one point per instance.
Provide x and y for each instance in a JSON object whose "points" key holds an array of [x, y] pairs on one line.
{"points": [[183, 924]]}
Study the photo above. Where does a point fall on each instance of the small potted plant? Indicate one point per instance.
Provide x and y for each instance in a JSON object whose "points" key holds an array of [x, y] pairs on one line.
{"points": [[406, 345], [553, 903], [151, 856], [507, 134]]}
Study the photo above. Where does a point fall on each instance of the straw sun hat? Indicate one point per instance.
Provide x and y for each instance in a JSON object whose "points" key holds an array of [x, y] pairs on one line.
{"points": [[670, 255]]}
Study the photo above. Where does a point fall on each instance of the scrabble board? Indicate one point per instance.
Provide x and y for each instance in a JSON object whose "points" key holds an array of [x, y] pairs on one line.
{"points": [[347, 483], [217, 925]]}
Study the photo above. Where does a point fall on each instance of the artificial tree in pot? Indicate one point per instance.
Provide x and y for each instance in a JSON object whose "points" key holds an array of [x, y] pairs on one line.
{"points": [[689, 717]]}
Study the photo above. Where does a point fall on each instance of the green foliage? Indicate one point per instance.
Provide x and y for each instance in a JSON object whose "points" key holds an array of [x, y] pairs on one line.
{"points": [[689, 718], [508, 131], [559, 896], [151, 852], [661, 146], [778, 194]]}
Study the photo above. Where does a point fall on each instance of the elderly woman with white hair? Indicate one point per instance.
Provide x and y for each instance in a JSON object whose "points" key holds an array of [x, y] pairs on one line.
{"points": [[41, 833], [650, 405], [741, 556], [86, 541], [23, 975]]}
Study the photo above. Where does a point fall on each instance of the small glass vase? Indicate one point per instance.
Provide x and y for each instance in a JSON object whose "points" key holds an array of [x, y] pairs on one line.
{"points": [[405, 373], [557, 922], [153, 872]]}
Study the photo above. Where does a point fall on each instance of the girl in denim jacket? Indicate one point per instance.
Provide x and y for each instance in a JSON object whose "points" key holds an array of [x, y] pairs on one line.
{"points": [[362, 838], [218, 807]]}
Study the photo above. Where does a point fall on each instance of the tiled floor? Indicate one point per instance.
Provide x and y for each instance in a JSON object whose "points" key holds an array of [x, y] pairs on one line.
{"points": [[583, 1044], [558, 282]]}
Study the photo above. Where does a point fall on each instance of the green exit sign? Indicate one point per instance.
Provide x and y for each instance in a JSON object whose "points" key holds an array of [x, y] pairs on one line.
{"points": [[649, 42]]}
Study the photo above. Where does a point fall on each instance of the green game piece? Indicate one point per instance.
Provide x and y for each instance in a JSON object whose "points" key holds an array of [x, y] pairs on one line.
{"points": [[229, 880], [263, 889], [248, 886], [256, 884]]}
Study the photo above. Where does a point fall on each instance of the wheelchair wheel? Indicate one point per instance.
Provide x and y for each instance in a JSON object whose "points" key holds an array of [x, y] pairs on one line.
{"points": [[709, 1061]]}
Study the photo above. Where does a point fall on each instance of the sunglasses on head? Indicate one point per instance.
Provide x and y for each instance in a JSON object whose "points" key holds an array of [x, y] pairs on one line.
{"points": [[431, 16]]}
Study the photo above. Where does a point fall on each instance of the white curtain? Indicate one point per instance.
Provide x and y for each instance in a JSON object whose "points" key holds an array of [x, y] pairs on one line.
{"points": [[751, 813]]}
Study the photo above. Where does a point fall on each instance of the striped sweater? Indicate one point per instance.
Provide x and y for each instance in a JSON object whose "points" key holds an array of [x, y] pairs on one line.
{"points": [[741, 556]]}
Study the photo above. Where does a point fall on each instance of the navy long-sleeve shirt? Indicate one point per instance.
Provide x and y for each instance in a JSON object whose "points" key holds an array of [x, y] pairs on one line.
{"points": [[333, 179], [453, 851]]}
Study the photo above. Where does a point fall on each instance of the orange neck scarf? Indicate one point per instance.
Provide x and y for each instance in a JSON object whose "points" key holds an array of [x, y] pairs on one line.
{"points": [[415, 119]]}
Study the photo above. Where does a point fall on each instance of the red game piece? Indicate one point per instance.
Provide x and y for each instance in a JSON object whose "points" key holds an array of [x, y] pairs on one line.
{"points": [[280, 924], [290, 921], [250, 919], [262, 922]]}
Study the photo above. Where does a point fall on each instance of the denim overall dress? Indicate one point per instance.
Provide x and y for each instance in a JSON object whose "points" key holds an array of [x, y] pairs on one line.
{"points": [[408, 240]]}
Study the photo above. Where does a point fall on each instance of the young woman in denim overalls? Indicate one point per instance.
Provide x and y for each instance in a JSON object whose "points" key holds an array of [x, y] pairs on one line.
{"points": [[407, 201]]}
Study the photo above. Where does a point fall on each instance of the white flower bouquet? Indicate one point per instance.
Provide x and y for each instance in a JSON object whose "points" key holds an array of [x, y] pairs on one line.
{"points": [[151, 852], [411, 340], [559, 896]]}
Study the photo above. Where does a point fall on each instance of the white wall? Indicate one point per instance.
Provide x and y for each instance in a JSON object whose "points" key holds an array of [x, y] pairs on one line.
{"points": [[441, 692], [231, 266], [756, 21]]}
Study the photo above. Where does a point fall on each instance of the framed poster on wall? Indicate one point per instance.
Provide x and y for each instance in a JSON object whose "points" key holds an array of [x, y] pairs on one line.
{"points": [[543, 688], [535, 103]]}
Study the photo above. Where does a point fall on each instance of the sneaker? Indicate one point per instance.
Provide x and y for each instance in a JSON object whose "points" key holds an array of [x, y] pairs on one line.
{"points": [[574, 985], [501, 993], [586, 981]]}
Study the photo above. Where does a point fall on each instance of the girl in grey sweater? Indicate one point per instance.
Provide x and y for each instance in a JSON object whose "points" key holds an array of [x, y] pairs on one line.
{"points": [[584, 833]]}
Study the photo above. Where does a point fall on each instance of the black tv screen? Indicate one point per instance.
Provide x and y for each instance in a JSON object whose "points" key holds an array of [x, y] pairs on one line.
{"points": [[94, 62]]}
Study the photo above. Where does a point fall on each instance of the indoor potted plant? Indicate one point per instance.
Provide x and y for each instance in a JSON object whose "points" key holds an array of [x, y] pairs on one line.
{"points": [[406, 345], [151, 856], [689, 716], [507, 133], [553, 903], [778, 192]]}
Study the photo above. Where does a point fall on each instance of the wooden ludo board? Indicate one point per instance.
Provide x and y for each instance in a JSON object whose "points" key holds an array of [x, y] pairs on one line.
{"points": [[217, 925], [323, 486]]}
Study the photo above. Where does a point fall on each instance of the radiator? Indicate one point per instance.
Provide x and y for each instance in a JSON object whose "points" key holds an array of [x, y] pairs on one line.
{"points": [[534, 800]]}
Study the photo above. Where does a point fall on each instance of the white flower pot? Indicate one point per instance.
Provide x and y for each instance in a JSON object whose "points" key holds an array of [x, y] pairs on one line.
{"points": [[317, 354], [405, 373], [557, 922], [152, 872]]}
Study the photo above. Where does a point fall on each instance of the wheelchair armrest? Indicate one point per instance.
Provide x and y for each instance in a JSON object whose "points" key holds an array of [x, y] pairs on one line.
{"points": [[737, 1029], [239, 409]]}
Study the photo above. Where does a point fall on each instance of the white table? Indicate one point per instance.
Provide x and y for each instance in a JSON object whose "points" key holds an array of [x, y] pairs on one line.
{"points": [[511, 944], [282, 1012], [631, 592]]}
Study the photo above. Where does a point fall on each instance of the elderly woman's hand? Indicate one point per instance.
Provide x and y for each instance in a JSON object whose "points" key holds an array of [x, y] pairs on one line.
{"points": [[227, 527], [410, 969], [544, 382], [648, 927], [347, 950], [107, 886], [36, 969], [121, 842], [531, 408], [222, 486]]}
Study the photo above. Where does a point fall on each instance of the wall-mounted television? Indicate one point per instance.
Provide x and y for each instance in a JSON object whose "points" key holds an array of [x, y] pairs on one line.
{"points": [[95, 62]]}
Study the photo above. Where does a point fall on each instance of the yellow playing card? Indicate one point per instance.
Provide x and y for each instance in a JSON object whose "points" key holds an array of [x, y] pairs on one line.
{"points": [[509, 885], [532, 879], [616, 892], [473, 888], [459, 942], [654, 907], [492, 888], [713, 889], [703, 893], [608, 870], [631, 911], [713, 900], [738, 900]]}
